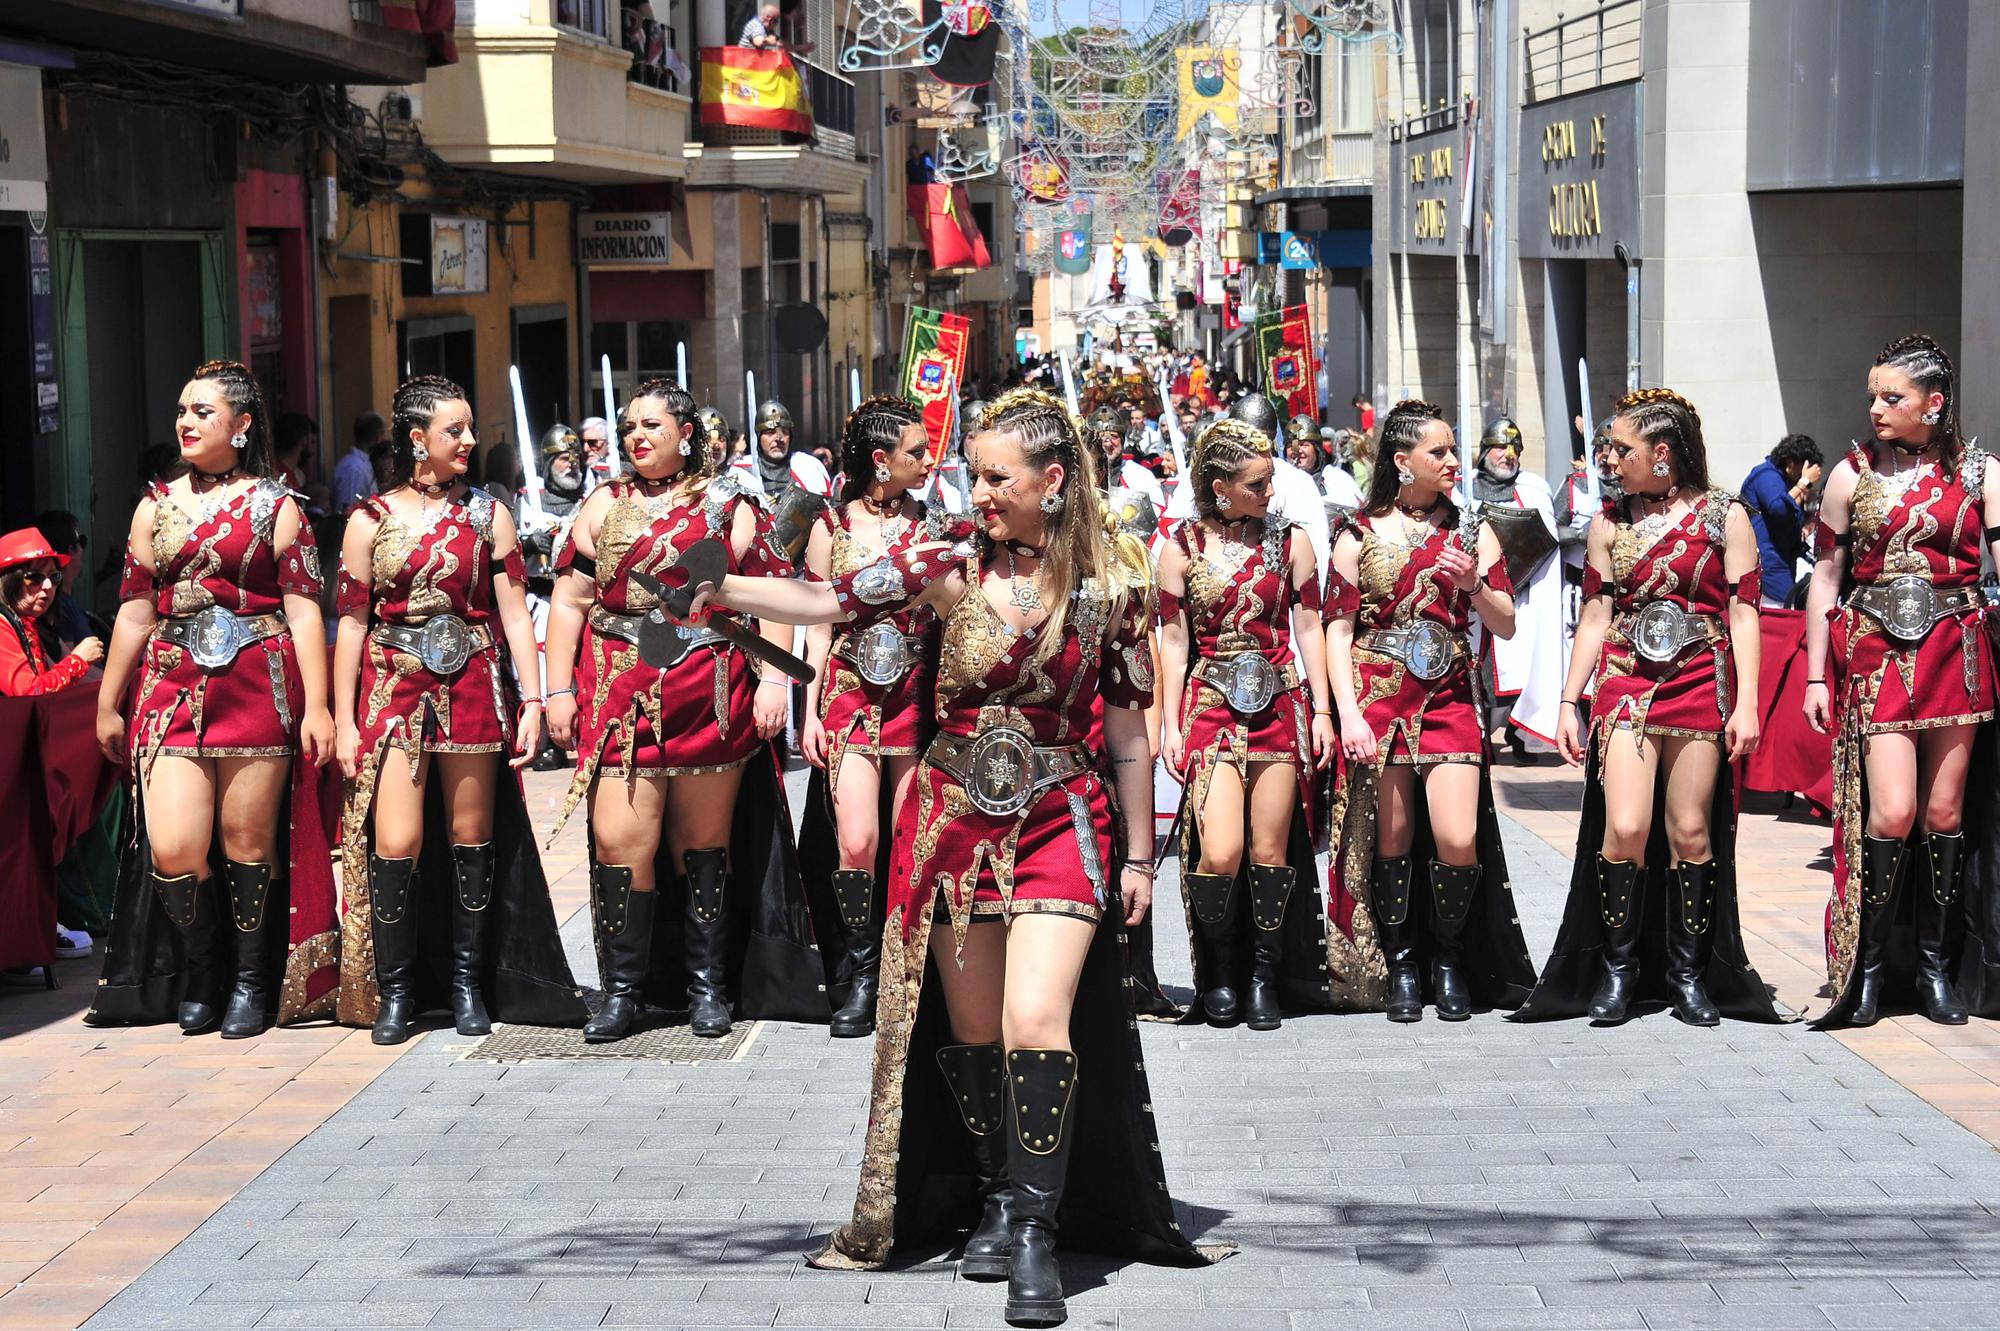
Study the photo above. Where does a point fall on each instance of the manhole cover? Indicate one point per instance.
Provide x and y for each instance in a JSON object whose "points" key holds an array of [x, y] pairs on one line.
{"points": [[653, 1044]]}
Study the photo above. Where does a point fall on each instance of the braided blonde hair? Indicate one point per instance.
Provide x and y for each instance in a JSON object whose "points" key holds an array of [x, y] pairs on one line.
{"points": [[1220, 452], [1075, 549], [1660, 415]]}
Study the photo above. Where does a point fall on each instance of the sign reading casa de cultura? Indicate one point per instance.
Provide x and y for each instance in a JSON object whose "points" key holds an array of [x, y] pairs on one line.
{"points": [[1579, 175], [1428, 192]]}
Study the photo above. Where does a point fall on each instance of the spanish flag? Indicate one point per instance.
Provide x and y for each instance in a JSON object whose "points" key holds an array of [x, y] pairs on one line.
{"points": [[753, 89]]}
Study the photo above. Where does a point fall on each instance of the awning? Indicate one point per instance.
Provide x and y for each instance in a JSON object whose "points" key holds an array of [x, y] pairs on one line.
{"points": [[1302, 193]]}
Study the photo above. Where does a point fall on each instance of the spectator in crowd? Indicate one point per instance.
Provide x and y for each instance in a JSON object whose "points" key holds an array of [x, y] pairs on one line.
{"points": [[354, 474], [381, 460], [761, 33], [1775, 492], [293, 439], [31, 571], [596, 434], [1364, 412], [65, 617]]}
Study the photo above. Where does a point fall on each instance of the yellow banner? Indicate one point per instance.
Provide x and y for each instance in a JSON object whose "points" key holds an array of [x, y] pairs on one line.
{"points": [[1207, 86]]}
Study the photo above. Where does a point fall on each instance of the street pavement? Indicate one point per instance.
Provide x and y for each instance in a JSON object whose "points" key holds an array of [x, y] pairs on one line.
{"points": [[1481, 1175]]}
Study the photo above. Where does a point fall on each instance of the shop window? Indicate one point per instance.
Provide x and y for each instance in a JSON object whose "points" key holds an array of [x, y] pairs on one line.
{"points": [[610, 340], [659, 340]]}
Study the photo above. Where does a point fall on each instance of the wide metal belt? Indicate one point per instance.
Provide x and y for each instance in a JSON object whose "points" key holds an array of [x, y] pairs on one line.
{"points": [[214, 636], [1908, 608], [627, 628], [444, 643], [1247, 681], [880, 654], [1001, 769], [1428, 650], [1661, 630]]}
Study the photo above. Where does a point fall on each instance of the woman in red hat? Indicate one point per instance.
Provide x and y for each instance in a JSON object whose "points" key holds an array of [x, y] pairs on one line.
{"points": [[30, 575], [221, 621]]}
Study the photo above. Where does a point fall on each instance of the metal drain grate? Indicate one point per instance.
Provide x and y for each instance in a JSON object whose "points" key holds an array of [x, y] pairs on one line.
{"points": [[653, 1044]]}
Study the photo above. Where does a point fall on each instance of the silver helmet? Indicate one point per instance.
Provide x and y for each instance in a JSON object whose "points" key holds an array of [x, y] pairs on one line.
{"points": [[773, 415]]}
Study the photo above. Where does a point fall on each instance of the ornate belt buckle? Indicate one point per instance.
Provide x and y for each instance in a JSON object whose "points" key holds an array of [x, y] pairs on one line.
{"points": [[1659, 631], [881, 655], [1909, 608], [1429, 651], [444, 644], [1249, 683], [1000, 772], [216, 637]]}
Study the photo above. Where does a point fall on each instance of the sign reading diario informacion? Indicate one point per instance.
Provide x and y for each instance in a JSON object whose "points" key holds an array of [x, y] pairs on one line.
{"points": [[1579, 174], [624, 240]]}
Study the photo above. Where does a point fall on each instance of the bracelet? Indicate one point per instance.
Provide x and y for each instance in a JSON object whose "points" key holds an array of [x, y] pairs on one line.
{"points": [[1322, 711], [1820, 680], [1570, 702], [558, 693]]}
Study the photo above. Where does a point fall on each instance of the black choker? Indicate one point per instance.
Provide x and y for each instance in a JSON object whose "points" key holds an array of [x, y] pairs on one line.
{"points": [[883, 507], [212, 477], [1023, 549], [431, 491], [651, 486], [1907, 451]]}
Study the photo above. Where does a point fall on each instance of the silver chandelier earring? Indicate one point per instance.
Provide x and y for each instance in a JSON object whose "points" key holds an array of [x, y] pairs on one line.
{"points": [[881, 473], [1932, 417], [1222, 502], [417, 453], [240, 440], [1405, 477], [1662, 469], [1052, 502], [687, 446]]}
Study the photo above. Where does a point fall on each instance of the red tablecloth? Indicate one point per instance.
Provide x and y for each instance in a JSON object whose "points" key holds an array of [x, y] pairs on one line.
{"points": [[53, 784], [1792, 758]]}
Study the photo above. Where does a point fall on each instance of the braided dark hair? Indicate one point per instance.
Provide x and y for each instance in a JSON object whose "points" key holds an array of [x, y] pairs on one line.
{"points": [[1402, 432], [877, 423], [1660, 415], [1919, 356], [241, 391], [680, 405], [410, 412]]}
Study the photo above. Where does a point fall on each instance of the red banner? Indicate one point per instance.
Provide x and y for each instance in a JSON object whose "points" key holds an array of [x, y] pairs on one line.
{"points": [[953, 237], [1284, 344], [933, 364]]}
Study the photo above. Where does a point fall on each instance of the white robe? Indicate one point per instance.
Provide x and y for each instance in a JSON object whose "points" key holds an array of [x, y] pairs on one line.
{"points": [[1529, 666]]}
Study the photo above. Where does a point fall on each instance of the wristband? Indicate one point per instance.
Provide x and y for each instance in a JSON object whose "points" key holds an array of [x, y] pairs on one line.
{"points": [[1816, 681], [1570, 702], [558, 693]]}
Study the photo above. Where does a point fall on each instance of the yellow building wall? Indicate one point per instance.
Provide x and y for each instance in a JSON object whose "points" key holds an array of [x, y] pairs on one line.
{"points": [[524, 267]]}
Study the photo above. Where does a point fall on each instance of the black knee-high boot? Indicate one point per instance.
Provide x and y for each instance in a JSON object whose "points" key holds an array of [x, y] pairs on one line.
{"points": [[1881, 867], [181, 897], [1618, 900], [707, 941], [395, 934], [977, 1076], [1941, 858], [1452, 886], [1270, 889], [261, 932], [624, 950], [1690, 919], [1389, 899], [471, 924], [1041, 1085], [1213, 896], [854, 890]]}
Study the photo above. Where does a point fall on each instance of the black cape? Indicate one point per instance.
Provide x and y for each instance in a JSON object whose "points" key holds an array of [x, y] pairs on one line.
{"points": [[1575, 966], [526, 979], [777, 970], [917, 1182]]}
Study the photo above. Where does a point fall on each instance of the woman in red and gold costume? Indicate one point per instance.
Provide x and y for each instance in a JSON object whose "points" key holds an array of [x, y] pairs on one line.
{"points": [[1409, 573], [1669, 635], [220, 619], [1247, 725], [1898, 658], [675, 757], [867, 707], [1011, 885], [432, 584]]}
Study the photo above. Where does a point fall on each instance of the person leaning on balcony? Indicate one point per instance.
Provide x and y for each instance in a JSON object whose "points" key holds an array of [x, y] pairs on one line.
{"points": [[761, 33]]}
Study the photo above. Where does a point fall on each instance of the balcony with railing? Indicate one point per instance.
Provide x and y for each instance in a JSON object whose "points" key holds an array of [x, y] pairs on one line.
{"points": [[1583, 52], [573, 89], [823, 163]]}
